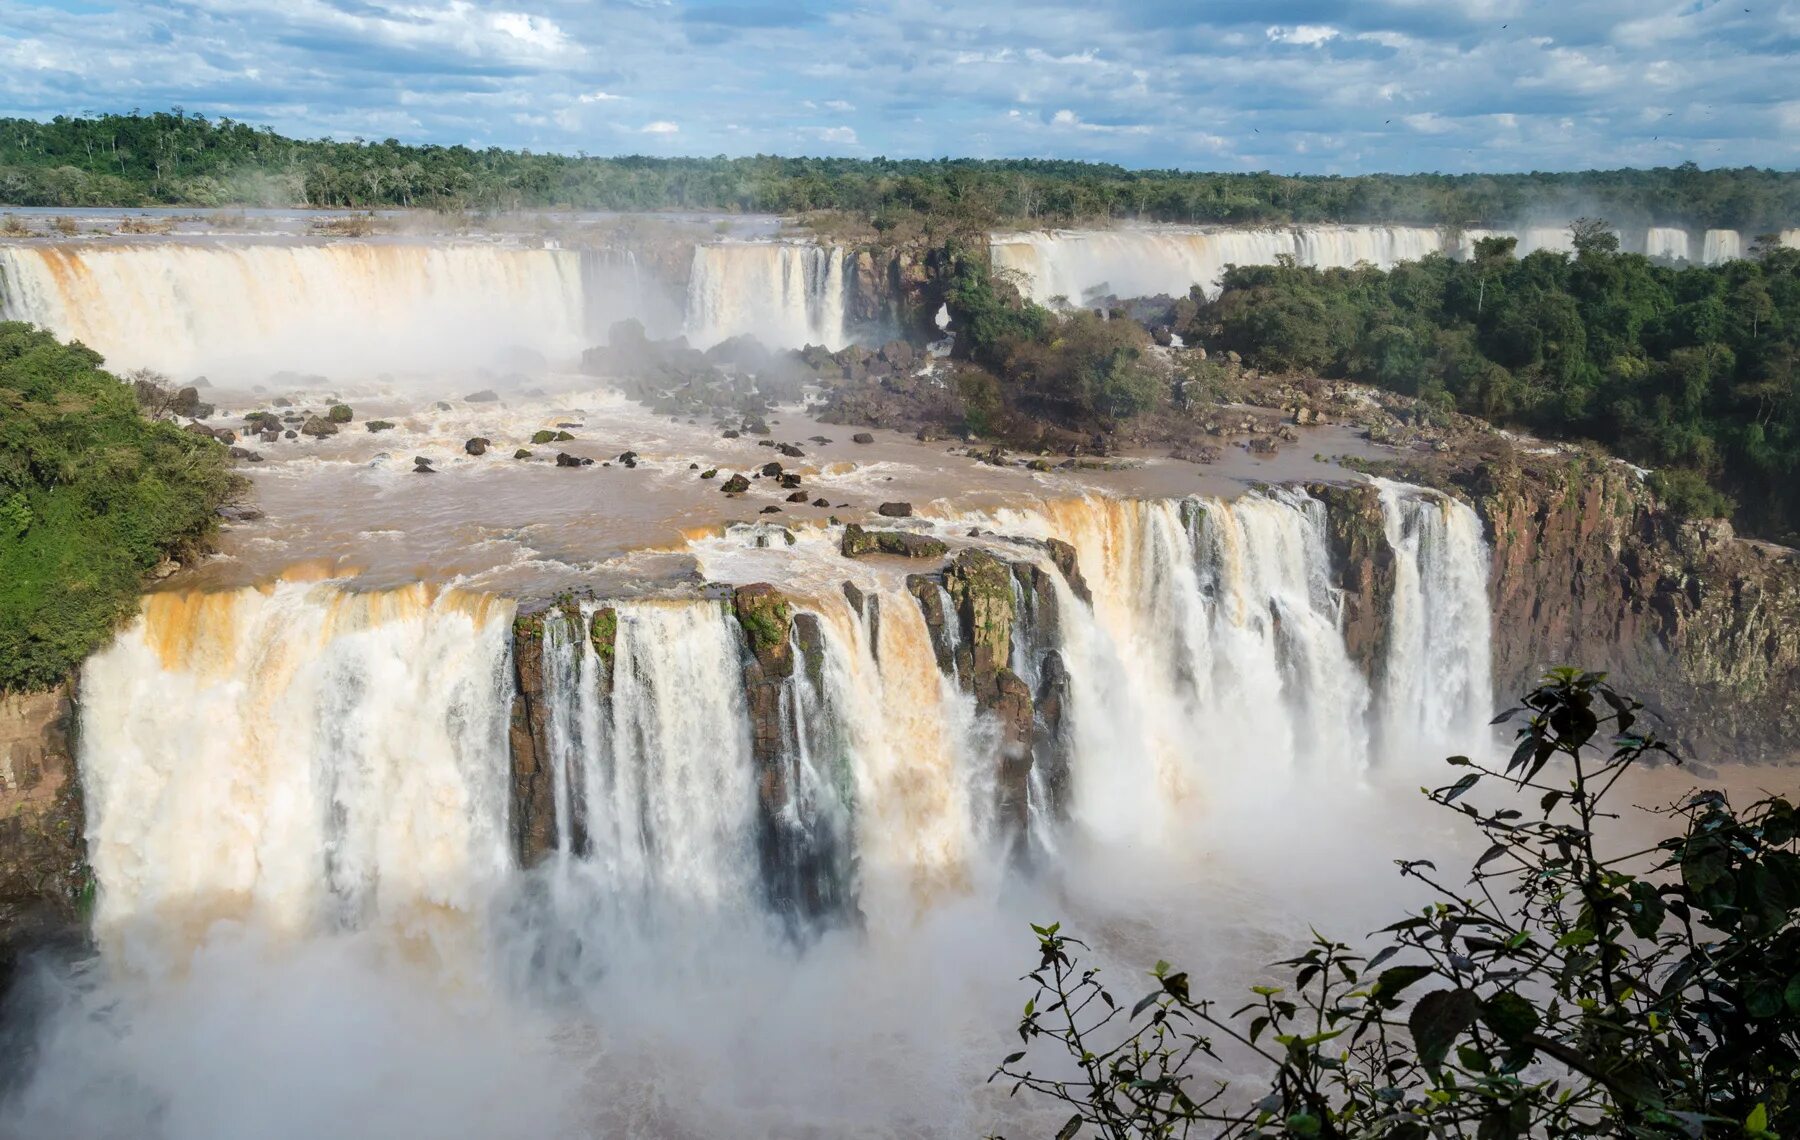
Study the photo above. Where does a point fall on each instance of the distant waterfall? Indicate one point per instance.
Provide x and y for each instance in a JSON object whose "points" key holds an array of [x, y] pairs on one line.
{"points": [[785, 294], [1080, 266], [306, 758], [341, 308]]}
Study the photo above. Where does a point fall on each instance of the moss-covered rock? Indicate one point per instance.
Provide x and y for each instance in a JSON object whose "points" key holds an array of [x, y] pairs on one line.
{"points": [[858, 543], [340, 414], [542, 437], [767, 619], [603, 633]]}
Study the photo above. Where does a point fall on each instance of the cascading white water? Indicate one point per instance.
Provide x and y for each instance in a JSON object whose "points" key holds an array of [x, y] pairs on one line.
{"points": [[340, 308], [299, 759], [785, 294], [1667, 243], [1079, 266], [1437, 685], [1720, 246]]}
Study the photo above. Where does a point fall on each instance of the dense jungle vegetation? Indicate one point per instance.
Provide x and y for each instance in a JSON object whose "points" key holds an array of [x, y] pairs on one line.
{"points": [[173, 158], [93, 495], [1695, 371]]}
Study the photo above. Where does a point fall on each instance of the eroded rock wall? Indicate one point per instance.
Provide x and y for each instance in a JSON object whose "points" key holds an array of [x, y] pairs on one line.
{"points": [[44, 877]]}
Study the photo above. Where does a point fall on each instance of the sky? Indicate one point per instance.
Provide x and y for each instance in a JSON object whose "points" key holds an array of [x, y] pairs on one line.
{"points": [[1294, 86]]}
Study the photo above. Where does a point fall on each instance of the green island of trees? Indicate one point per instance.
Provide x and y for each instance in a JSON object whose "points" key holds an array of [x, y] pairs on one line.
{"points": [[1695, 371], [93, 495], [174, 158]]}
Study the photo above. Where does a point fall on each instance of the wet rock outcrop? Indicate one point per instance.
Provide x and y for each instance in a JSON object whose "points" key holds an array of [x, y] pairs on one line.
{"points": [[45, 882], [1364, 563]]}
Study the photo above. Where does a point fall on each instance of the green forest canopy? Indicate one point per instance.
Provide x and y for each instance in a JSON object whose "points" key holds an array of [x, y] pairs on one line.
{"points": [[1696, 370], [173, 158], [92, 496]]}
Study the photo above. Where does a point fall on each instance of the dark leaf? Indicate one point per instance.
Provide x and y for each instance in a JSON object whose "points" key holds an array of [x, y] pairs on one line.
{"points": [[1461, 786], [1438, 1019], [1392, 981], [1068, 1131], [1510, 1016]]}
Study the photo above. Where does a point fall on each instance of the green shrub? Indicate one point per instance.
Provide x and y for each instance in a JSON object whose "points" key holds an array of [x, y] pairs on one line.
{"points": [[1565, 989], [1688, 495], [92, 497]]}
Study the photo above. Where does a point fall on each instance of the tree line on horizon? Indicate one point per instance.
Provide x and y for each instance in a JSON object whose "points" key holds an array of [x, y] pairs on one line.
{"points": [[177, 158]]}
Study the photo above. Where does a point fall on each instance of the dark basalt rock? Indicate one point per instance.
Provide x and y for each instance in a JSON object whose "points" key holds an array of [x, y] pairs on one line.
{"points": [[736, 485], [478, 445], [862, 437], [895, 510]]}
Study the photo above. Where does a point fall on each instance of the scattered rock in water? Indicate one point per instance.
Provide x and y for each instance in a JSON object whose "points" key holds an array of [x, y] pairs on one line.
{"points": [[756, 425], [290, 434], [790, 450], [862, 437], [629, 458], [340, 414], [710, 473], [771, 470], [441, 406], [905, 544], [522, 453], [770, 510], [693, 467], [564, 459], [797, 497], [563, 437], [245, 454], [226, 435], [485, 396], [199, 429], [736, 485], [820, 440], [378, 425], [821, 502], [478, 445], [570, 425], [732, 433], [790, 480], [544, 436], [422, 466], [895, 510], [234, 513], [282, 402], [1261, 445], [318, 427], [765, 443], [269, 436]]}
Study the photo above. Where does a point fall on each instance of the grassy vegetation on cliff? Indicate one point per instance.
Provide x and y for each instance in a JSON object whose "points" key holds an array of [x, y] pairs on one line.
{"points": [[92, 496], [174, 158], [1695, 370]]}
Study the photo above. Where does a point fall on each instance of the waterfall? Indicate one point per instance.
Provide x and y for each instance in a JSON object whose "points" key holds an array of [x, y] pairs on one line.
{"points": [[1437, 686], [300, 759], [354, 308], [785, 294], [1665, 243], [305, 758], [1081, 266]]}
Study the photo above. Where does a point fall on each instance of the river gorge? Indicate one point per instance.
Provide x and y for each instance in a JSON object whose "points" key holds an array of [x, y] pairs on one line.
{"points": [[464, 791]]}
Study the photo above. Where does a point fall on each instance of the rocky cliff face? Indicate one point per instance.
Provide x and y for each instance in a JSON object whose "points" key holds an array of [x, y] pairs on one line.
{"points": [[1589, 570], [44, 878]]}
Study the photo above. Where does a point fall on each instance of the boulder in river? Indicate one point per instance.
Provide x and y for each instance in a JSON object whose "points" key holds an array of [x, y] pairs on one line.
{"points": [[736, 485], [862, 437], [790, 450], [485, 396], [318, 427], [895, 510], [478, 445], [340, 414], [797, 497], [858, 542]]}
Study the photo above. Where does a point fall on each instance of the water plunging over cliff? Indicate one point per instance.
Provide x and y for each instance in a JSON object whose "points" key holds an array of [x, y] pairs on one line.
{"points": [[322, 758], [1142, 261], [356, 307], [786, 295]]}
